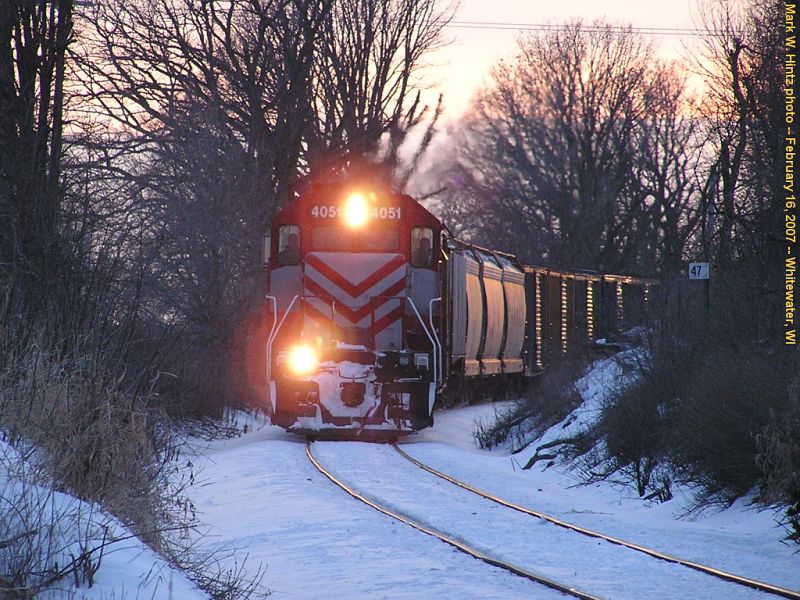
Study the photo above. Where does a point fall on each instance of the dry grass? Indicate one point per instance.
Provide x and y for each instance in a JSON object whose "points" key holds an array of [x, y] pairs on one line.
{"points": [[46, 538], [97, 441], [543, 403], [97, 433]]}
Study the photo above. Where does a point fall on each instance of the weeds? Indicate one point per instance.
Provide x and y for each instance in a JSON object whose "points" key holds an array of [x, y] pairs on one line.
{"points": [[84, 426], [714, 406], [543, 403], [46, 537]]}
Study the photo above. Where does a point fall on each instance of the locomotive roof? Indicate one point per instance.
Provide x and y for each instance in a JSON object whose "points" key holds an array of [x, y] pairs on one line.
{"points": [[337, 191]]}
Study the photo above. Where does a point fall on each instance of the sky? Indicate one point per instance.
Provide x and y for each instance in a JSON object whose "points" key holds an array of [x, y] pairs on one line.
{"points": [[459, 68]]}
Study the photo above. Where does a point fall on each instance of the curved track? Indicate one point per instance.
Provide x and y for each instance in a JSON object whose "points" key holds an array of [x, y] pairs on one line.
{"points": [[724, 575], [460, 545]]}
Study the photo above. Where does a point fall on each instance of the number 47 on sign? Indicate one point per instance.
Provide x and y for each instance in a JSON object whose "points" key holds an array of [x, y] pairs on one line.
{"points": [[698, 270]]}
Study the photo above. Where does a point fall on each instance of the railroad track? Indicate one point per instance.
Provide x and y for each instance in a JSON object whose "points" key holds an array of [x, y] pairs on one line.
{"points": [[355, 469], [452, 541], [718, 573]]}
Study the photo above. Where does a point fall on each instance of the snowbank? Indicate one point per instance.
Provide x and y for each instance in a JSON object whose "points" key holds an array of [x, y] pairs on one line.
{"points": [[50, 532]]}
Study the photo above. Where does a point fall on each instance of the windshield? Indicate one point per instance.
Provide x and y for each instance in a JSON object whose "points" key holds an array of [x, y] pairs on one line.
{"points": [[336, 239]]}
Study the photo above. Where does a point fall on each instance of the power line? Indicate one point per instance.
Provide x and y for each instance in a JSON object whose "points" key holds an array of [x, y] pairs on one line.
{"points": [[508, 26]]}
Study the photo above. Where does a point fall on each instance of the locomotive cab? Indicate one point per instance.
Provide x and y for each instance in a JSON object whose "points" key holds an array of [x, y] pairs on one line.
{"points": [[354, 285]]}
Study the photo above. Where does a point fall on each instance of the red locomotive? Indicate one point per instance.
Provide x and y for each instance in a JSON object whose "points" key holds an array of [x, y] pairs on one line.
{"points": [[354, 275]]}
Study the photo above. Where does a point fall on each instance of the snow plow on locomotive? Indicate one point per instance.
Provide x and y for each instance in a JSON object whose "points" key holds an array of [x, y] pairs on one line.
{"points": [[377, 313]]}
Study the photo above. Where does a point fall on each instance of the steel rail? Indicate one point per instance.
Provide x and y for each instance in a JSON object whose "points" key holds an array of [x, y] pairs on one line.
{"points": [[730, 577], [411, 522]]}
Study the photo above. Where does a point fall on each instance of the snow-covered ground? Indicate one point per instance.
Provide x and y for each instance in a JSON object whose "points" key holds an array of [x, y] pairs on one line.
{"points": [[260, 494], [740, 539], [263, 502], [63, 527]]}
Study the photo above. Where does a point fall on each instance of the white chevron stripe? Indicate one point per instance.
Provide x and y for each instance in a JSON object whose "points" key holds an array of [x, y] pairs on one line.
{"points": [[355, 269], [339, 318], [354, 266], [335, 291], [386, 307]]}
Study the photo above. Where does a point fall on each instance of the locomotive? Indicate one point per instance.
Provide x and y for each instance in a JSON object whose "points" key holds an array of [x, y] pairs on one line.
{"points": [[377, 312]]}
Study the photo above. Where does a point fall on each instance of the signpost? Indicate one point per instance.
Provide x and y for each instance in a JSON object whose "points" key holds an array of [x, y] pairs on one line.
{"points": [[700, 270]]}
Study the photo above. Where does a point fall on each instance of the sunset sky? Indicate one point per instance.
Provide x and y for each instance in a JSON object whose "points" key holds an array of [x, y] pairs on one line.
{"points": [[461, 67]]}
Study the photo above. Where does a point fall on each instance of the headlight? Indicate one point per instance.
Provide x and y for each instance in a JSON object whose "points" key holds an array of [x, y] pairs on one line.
{"points": [[356, 210], [302, 360]]}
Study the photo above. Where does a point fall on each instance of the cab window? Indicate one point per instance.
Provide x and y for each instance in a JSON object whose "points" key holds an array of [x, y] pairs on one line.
{"points": [[332, 239], [422, 247], [380, 240], [289, 245]]}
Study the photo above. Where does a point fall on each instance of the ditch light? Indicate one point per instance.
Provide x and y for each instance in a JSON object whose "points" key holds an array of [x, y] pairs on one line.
{"points": [[302, 360]]}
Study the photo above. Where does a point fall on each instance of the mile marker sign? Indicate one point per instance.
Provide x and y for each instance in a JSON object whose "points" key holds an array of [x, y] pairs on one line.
{"points": [[698, 270]]}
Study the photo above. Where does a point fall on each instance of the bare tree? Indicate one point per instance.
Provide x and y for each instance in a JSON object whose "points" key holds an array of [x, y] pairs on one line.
{"points": [[33, 41], [165, 70], [740, 63], [572, 151], [367, 85], [216, 108], [669, 151]]}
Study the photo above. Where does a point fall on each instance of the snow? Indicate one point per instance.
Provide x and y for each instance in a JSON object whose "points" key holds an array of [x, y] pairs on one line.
{"points": [[65, 526], [266, 498], [740, 539], [346, 346], [329, 381], [262, 501], [262, 495], [598, 567]]}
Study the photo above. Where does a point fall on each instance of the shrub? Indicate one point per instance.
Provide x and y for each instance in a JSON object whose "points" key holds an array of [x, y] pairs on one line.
{"points": [[715, 406], [100, 442], [716, 423], [627, 441], [99, 434], [544, 402], [778, 457], [633, 430], [46, 538]]}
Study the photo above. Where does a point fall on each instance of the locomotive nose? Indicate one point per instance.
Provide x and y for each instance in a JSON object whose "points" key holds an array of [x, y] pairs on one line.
{"points": [[357, 336]]}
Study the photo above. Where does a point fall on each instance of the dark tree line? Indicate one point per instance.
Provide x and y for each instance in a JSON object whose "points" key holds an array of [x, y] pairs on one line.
{"points": [[741, 64], [211, 112], [146, 145], [33, 46], [585, 150]]}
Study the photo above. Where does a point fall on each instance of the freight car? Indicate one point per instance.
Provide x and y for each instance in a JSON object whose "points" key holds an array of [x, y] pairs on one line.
{"points": [[378, 312]]}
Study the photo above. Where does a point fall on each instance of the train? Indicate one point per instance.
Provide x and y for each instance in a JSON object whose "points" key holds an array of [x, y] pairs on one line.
{"points": [[379, 314]]}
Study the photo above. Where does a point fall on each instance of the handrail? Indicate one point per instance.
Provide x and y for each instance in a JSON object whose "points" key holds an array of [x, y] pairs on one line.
{"points": [[270, 337], [273, 334], [430, 339], [436, 337]]}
